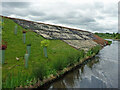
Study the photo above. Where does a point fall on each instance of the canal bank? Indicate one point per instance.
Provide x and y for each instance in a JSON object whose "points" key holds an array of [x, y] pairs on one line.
{"points": [[100, 72], [44, 83], [60, 55]]}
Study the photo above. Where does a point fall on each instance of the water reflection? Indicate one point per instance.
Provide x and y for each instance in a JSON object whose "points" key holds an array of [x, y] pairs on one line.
{"points": [[59, 83], [99, 72], [82, 69], [93, 61], [86, 83], [77, 74], [72, 79]]}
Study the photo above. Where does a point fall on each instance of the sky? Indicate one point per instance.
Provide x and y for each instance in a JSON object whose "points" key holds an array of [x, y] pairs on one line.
{"points": [[89, 15]]}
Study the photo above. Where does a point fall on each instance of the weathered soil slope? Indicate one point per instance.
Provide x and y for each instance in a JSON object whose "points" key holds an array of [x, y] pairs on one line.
{"points": [[78, 39]]}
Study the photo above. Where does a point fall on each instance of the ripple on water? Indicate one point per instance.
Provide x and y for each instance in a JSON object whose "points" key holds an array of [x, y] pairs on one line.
{"points": [[100, 72]]}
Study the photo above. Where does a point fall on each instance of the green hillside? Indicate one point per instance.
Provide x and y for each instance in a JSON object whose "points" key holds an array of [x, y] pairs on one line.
{"points": [[60, 55]]}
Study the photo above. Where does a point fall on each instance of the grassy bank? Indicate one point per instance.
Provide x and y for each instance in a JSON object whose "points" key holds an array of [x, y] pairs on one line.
{"points": [[109, 42], [60, 55]]}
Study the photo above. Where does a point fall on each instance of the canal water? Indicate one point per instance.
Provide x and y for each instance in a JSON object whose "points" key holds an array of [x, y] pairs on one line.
{"points": [[100, 72]]}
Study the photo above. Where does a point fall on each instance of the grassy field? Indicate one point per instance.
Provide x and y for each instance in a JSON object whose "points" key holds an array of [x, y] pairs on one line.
{"points": [[60, 55]]}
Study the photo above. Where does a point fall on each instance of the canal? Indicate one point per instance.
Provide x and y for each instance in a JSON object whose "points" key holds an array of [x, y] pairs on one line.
{"points": [[100, 72]]}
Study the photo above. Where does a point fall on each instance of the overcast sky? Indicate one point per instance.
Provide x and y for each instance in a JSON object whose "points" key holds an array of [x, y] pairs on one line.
{"points": [[90, 15]]}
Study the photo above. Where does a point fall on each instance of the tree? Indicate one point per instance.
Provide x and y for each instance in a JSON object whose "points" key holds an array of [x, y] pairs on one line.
{"points": [[45, 44]]}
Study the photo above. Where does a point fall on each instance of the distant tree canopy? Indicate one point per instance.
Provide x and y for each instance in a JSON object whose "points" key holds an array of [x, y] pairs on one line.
{"points": [[109, 35], [117, 36]]}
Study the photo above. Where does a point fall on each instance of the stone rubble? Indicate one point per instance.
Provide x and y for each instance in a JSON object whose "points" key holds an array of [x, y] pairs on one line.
{"points": [[76, 38]]}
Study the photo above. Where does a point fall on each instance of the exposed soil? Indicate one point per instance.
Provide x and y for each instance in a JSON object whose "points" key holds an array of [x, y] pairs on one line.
{"points": [[100, 41]]}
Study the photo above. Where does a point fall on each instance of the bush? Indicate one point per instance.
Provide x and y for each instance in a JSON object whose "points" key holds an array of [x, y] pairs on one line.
{"points": [[117, 36], [73, 59], [59, 63], [40, 71], [90, 52], [109, 42], [45, 43], [82, 54], [52, 71], [94, 50]]}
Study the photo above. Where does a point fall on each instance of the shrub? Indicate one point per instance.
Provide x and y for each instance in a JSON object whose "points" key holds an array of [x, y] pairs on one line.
{"points": [[52, 71], [59, 63], [24, 31], [82, 54], [45, 43], [96, 49], [89, 53], [40, 71], [3, 47], [109, 42], [117, 36], [72, 59]]}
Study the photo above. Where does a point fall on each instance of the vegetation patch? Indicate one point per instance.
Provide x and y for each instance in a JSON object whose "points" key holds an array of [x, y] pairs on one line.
{"points": [[59, 56], [117, 36], [94, 50], [41, 71], [109, 42], [109, 35]]}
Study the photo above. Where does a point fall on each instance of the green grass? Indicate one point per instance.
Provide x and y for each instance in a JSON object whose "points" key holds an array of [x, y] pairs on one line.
{"points": [[109, 42], [60, 55], [117, 36], [109, 35], [93, 50]]}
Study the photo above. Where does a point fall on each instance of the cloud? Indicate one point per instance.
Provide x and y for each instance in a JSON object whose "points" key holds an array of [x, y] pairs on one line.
{"points": [[92, 16], [15, 4]]}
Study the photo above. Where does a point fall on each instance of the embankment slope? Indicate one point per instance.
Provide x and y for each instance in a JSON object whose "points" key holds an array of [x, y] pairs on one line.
{"points": [[79, 39]]}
